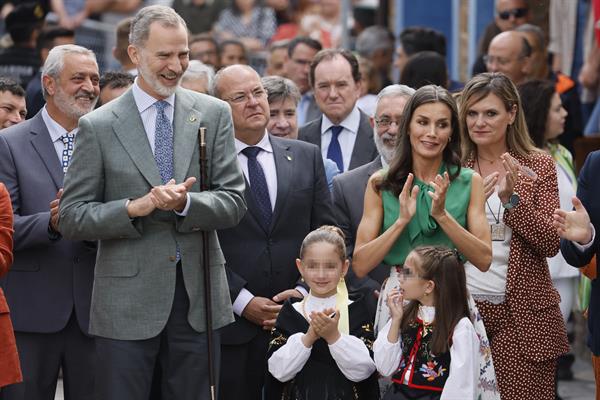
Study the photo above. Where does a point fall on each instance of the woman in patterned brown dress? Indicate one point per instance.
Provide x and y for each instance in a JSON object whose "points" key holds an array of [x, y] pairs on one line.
{"points": [[516, 297]]}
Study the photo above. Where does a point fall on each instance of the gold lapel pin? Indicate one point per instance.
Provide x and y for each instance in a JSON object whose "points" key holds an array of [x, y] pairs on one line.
{"points": [[192, 118], [289, 158]]}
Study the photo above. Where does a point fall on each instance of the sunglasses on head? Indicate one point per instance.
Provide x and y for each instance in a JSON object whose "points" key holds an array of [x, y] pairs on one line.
{"points": [[515, 12]]}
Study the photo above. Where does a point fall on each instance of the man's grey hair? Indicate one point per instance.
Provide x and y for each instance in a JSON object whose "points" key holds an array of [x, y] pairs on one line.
{"points": [[214, 88], [372, 39], [394, 91], [279, 88], [55, 61], [196, 70], [140, 25], [536, 31]]}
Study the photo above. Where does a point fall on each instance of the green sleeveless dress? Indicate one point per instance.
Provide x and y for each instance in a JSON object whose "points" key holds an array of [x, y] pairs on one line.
{"points": [[422, 228]]}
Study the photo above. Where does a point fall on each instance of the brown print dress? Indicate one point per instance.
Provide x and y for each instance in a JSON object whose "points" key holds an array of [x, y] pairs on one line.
{"points": [[526, 332]]}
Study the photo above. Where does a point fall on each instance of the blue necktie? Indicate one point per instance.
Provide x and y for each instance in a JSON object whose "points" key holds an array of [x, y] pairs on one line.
{"points": [[258, 184], [334, 152], [67, 153], [163, 142], [163, 149]]}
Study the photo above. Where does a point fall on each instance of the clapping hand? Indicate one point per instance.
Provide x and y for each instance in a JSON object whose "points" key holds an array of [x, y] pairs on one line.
{"points": [[395, 302], [507, 184], [438, 196], [325, 325], [573, 225], [172, 196], [408, 200]]}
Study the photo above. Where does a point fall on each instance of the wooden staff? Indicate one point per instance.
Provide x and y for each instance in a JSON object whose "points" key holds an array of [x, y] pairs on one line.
{"points": [[206, 268]]}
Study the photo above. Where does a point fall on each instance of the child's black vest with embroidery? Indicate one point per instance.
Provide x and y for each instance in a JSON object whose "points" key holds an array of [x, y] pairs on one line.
{"points": [[429, 371]]}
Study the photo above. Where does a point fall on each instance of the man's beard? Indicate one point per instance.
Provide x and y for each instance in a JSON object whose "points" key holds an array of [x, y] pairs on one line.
{"points": [[154, 83], [69, 106], [386, 151]]}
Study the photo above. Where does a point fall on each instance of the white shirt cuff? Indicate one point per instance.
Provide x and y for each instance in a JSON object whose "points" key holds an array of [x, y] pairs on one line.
{"points": [[302, 290], [584, 247], [184, 212], [241, 301]]}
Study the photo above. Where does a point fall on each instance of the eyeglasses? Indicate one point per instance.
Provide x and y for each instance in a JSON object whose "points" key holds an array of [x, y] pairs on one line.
{"points": [[244, 97], [385, 122], [515, 12], [499, 60]]}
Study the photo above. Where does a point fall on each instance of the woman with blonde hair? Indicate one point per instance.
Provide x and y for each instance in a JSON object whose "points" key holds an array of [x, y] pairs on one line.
{"points": [[516, 298]]}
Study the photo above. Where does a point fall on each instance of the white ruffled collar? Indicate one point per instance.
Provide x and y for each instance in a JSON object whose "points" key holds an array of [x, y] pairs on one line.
{"points": [[426, 313]]}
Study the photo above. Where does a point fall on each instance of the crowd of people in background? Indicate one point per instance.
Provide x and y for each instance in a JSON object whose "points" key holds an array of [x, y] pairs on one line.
{"points": [[358, 225]]}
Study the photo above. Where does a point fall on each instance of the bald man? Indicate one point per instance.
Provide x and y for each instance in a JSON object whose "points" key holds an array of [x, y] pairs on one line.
{"points": [[509, 53]]}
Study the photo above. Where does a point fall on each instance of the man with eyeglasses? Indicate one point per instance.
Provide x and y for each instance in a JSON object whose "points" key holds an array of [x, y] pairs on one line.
{"points": [[287, 197], [509, 53], [204, 48], [349, 187], [301, 52]]}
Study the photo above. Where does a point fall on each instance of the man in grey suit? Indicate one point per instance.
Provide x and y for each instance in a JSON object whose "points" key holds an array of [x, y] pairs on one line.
{"points": [[343, 132], [49, 286], [349, 187], [287, 198], [301, 51], [135, 192]]}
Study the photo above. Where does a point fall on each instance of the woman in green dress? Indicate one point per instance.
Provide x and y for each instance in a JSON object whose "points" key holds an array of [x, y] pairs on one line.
{"points": [[426, 198]]}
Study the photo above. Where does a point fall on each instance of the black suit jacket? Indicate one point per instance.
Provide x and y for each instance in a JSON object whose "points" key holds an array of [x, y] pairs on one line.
{"points": [[348, 203], [263, 260], [48, 278], [588, 191], [364, 148]]}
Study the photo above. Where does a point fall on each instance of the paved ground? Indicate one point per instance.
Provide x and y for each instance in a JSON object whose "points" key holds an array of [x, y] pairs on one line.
{"points": [[581, 388]]}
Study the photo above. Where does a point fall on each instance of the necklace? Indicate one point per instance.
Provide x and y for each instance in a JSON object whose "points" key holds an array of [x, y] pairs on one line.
{"points": [[497, 229], [485, 159]]}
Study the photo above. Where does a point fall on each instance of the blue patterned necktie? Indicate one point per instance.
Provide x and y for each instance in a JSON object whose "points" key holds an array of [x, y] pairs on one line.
{"points": [[163, 142], [258, 184], [67, 139], [334, 152]]}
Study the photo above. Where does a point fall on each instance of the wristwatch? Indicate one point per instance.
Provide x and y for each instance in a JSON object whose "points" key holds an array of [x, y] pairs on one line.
{"points": [[513, 201]]}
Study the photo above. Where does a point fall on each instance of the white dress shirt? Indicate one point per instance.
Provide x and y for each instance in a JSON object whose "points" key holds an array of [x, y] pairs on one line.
{"points": [[347, 136], [349, 352], [56, 132], [145, 106], [464, 357]]}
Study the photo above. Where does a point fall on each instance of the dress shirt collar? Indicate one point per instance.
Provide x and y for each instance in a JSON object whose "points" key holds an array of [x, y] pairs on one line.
{"points": [[144, 101], [264, 144], [55, 130], [351, 122], [384, 163]]}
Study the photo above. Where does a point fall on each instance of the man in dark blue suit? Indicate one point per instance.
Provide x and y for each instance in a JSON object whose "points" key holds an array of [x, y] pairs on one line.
{"points": [[49, 285], [287, 197], [580, 241]]}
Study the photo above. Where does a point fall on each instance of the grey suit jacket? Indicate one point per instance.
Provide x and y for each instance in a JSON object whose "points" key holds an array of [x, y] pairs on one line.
{"points": [[49, 278], [364, 148], [312, 111], [348, 203], [135, 270]]}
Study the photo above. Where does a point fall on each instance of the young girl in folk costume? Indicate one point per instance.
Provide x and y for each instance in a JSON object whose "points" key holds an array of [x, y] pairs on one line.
{"points": [[321, 346], [429, 347]]}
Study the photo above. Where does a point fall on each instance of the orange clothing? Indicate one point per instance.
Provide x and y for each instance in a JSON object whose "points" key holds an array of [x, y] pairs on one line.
{"points": [[10, 370]]}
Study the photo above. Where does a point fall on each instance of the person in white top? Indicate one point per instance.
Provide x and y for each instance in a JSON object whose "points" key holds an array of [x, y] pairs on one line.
{"points": [[429, 346], [320, 347]]}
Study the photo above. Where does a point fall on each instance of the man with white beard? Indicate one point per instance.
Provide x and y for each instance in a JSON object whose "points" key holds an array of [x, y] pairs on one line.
{"points": [[49, 286], [349, 187]]}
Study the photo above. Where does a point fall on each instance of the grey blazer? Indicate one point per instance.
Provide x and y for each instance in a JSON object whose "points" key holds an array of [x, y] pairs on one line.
{"points": [[49, 278], [364, 148], [135, 269], [348, 203]]}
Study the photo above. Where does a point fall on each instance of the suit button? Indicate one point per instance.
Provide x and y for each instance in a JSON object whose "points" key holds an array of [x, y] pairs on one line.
{"points": [[172, 258]]}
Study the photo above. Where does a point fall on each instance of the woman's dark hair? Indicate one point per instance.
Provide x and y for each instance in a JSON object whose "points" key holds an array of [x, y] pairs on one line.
{"points": [[402, 163], [442, 266], [425, 68], [536, 99]]}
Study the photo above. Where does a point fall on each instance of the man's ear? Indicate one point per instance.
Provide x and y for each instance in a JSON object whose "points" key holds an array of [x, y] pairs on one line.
{"points": [[49, 84], [134, 54]]}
